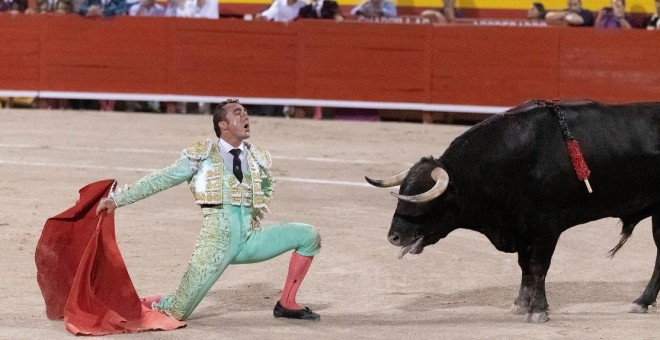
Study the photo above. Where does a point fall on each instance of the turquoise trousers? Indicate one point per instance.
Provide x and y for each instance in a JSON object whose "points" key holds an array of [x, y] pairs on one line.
{"points": [[227, 237]]}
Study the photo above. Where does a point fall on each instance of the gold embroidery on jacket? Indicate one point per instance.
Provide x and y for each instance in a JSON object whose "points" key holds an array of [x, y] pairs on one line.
{"points": [[207, 184]]}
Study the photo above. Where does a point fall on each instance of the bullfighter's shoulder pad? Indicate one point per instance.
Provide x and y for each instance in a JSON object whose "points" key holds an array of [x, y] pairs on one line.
{"points": [[197, 153], [261, 156]]}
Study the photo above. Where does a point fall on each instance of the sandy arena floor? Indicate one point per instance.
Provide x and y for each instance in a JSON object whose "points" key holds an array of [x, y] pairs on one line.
{"points": [[460, 288]]}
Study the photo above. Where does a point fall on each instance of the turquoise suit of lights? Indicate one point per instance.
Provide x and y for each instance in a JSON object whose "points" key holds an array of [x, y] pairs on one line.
{"points": [[231, 231]]}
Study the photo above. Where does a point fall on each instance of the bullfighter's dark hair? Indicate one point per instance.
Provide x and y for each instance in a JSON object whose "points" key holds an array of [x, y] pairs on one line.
{"points": [[220, 114]]}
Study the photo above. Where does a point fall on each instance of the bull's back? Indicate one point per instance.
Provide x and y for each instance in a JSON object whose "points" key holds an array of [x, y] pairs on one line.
{"points": [[620, 143], [522, 154]]}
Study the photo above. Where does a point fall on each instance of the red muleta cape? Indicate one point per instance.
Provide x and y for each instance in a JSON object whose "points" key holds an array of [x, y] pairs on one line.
{"points": [[83, 277]]}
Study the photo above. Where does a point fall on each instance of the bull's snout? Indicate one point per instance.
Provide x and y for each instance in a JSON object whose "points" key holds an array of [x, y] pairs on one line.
{"points": [[394, 238]]}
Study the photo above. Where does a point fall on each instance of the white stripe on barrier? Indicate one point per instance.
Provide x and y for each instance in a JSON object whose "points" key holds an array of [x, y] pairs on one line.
{"points": [[12, 93], [262, 101]]}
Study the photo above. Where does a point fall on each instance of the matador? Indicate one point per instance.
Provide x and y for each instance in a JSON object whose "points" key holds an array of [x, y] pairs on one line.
{"points": [[231, 181]]}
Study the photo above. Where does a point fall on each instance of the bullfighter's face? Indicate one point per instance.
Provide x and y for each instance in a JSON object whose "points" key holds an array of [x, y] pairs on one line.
{"points": [[236, 126]]}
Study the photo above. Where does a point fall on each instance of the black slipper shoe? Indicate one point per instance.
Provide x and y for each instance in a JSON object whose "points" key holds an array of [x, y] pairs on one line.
{"points": [[302, 314]]}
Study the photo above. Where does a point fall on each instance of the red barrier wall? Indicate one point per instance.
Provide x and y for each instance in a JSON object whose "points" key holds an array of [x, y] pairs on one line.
{"points": [[490, 66]]}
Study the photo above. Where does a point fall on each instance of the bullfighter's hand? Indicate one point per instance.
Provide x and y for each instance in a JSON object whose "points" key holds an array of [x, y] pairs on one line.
{"points": [[106, 205], [257, 215]]}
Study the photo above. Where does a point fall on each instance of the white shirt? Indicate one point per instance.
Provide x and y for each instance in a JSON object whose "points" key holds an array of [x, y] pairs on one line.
{"points": [[228, 158], [280, 11], [156, 11], [190, 10], [317, 7]]}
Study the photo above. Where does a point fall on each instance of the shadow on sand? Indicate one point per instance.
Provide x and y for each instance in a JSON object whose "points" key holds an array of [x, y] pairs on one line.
{"points": [[261, 296]]}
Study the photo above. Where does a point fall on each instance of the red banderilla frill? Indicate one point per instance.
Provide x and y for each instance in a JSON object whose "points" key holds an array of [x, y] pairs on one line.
{"points": [[577, 159]]}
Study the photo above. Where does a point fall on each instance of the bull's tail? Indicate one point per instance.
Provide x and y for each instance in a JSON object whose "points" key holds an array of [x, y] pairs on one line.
{"points": [[626, 231]]}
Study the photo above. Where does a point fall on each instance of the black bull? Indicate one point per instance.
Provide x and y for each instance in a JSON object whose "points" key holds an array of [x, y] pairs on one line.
{"points": [[510, 178]]}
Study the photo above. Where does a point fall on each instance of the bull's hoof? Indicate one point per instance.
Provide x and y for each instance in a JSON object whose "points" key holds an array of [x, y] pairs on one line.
{"points": [[518, 309], [638, 309], [537, 317]]}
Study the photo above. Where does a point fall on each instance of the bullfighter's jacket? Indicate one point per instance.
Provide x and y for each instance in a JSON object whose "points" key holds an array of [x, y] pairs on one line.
{"points": [[202, 166]]}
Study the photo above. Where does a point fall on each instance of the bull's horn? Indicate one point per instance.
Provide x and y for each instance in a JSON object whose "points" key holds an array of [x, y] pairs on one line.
{"points": [[389, 182], [441, 181]]}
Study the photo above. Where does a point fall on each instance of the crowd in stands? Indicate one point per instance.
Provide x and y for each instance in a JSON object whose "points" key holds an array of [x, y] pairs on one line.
{"points": [[611, 16], [110, 8]]}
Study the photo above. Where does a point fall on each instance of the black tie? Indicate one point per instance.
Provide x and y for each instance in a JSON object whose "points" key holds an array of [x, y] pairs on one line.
{"points": [[237, 164]]}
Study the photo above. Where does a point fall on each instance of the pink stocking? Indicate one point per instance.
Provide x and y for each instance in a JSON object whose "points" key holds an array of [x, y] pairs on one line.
{"points": [[298, 267]]}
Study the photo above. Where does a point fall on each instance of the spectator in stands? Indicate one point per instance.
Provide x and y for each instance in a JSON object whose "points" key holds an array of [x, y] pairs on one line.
{"points": [[317, 9], [200, 9], [449, 10], [204, 9], [375, 9], [574, 15], [537, 11], [321, 9], [102, 8], [654, 23], [13, 6], [446, 14], [54, 6], [171, 9], [282, 11], [147, 8], [614, 17]]}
